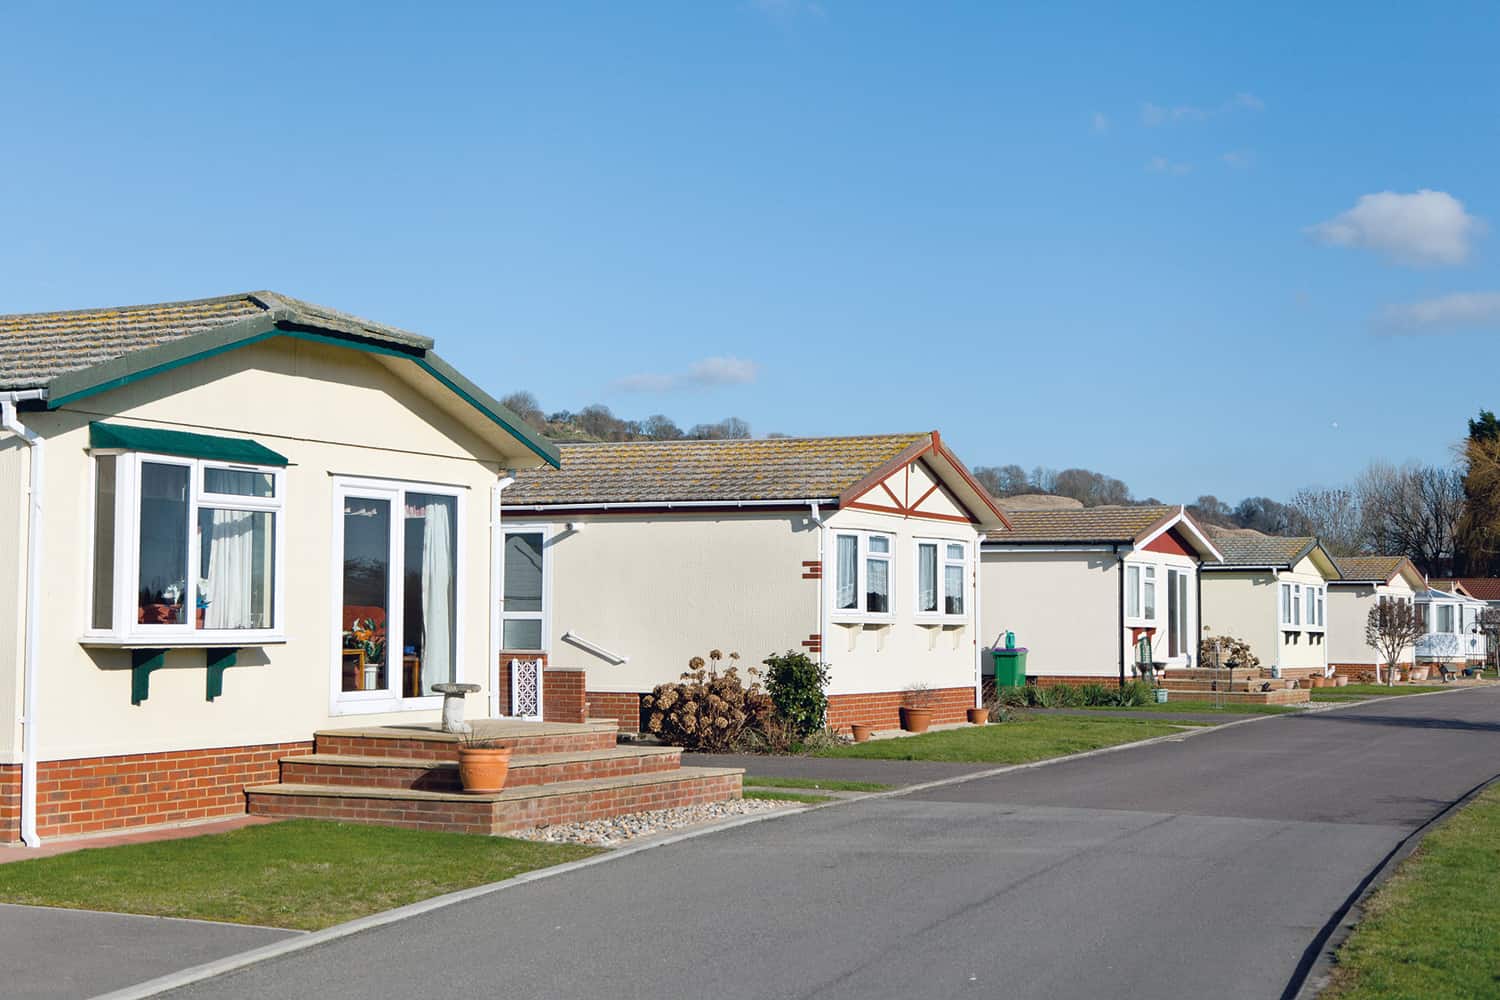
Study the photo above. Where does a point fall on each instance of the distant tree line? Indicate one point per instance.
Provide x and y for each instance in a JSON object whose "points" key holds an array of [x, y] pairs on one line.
{"points": [[1092, 489], [598, 423]]}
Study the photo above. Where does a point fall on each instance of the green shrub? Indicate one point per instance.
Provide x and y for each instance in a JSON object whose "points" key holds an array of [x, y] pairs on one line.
{"points": [[711, 709], [1012, 697], [1063, 696], [1136, 694], [796, 685], [1097, 694]]}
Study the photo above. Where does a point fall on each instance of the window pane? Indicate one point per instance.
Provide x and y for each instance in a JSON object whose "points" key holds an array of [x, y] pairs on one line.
{"points": [[239, 482], [927, 577], [955, 552], [104, 541], [522, 634], [429, 599], [847, 586], [236, 552], [953, 590], [1133, 591], [523, 572], [880, 543], [164, 544], [878, 585], [367, 588], [1150, 599]]}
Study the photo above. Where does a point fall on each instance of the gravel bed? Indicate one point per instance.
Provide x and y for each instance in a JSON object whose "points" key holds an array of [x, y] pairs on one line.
{"points": [[618, 829]]}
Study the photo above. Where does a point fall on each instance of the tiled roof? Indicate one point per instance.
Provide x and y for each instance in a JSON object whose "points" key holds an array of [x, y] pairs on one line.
{"points": [[1486, 588], [1090, 524], [38, 347], [688, 471], [1366, 568], [1244, 547]]}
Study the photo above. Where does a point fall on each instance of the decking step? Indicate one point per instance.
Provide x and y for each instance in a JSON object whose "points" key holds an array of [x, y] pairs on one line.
{"points": [[427, 742], [353, 770], [515, 808]]}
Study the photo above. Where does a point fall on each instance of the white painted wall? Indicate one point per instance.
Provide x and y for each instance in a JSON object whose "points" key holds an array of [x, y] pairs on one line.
{"points": [[1063, 607], [1348, 610]]}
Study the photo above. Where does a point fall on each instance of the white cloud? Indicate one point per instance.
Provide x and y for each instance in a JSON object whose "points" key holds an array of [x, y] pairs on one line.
{"points": [[1162, 165], [1427, 227], [700, 374], [1101, 122], [1239, 159], [1461, 310], [1155, 115]]}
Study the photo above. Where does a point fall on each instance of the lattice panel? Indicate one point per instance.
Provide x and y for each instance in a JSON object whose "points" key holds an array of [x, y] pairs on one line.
{"points": [[526, 689]]}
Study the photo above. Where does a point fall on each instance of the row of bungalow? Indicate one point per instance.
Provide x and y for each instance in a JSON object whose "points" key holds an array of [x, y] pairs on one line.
{"points": [[230, 524]]}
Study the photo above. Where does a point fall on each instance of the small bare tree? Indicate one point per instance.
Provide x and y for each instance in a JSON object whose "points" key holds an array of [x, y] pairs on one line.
{"points": [[1392, 627], [1489, 626]]}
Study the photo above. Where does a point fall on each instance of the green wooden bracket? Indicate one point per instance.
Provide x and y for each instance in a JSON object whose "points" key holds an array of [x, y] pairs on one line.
{"points": [[219, 660], [142, 663]]}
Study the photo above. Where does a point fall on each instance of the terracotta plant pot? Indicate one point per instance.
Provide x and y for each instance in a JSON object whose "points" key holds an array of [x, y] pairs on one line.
{"points": [[1419, 673], [483, 769], [861, 731], [1341, 681], [1317, 682], [916, 720], [979, 716]]}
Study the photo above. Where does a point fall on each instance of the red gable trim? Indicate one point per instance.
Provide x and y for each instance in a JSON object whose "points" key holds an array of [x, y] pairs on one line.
{"points": [[878, 477], [1170, 543]]}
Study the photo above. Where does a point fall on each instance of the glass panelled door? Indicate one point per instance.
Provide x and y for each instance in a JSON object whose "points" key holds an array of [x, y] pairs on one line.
{"points": [[367, 576], [1177, 613]]}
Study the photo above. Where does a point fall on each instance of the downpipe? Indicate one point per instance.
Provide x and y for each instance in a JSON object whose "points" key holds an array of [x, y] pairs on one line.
{"points": [[35, 480]]}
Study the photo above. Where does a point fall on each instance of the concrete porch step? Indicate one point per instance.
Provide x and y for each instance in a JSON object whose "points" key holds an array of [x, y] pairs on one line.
{"points": [[1241, 684], [515, 808], [352, 770], [428, 742], [1207, 674]]}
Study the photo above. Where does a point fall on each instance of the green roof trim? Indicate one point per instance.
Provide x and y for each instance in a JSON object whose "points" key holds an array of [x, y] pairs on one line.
{"points": [[162, 442]]}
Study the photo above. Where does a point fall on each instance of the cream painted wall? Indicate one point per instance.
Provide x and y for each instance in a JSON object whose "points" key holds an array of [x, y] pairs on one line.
{"points": [[1298, 646], [1348, 608], [1160, 640], [662, 589], [330, 411], [1063, 607], [13, 476], [1242, 605]]}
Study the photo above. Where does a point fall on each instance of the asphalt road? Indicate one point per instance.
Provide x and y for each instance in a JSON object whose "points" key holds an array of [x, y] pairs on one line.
{"points": [[1204, 867]]}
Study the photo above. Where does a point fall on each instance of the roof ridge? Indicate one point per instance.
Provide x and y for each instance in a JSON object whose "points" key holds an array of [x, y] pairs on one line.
{"points": [[751, 440], [232, 297]]}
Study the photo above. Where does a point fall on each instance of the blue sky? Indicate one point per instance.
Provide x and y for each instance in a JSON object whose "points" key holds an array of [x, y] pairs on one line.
{"points": [[1186, 246]]}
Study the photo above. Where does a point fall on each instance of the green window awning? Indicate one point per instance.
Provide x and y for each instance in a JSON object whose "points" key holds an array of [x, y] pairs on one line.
{"points": [[162, 442]]}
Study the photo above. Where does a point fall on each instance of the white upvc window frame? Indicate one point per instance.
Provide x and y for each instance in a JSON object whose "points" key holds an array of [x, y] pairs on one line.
{"points": [[943, 561], [124, 630], [1146, 578], [341, 702], [1315, 610], [1289, 605], [1444, 606], [862, 556], [545, 615]]}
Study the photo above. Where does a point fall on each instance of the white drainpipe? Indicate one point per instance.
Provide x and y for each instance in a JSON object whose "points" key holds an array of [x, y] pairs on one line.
{"points": [[497, 591], [974, 617], [12, 423]]}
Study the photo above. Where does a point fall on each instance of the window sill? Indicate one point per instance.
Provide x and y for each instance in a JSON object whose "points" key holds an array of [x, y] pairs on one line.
{"points": [[218, 640], [847, 619], [946, 621]]}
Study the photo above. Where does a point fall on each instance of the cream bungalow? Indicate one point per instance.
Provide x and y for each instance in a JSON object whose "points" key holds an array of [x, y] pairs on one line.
{"points": [[1363, 582], [630, 559], [1081, 588], [1451, 616], [224, 525], [1272, 592]]}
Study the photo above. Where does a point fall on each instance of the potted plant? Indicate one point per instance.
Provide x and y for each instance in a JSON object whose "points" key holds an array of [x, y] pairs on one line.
{"points": [[861, 731], [1419, 671], [483, 764], [916, 714], [978, 716]]}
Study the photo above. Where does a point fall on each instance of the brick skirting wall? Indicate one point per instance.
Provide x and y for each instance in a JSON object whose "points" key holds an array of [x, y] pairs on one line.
{"points": [[622, 706], [94, 794], [881, 709], [1047, 680], [1353, 670], [563, 699]]}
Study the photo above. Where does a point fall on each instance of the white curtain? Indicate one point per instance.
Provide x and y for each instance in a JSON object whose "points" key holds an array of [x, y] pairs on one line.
{"points": [[848, 571], [231, 554], [437, 596], [927, 577]]}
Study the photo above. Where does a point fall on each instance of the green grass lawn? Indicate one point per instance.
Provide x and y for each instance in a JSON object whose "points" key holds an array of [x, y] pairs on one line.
{"points": [[1355, 692], [303, 874], [1017, 741], [826, 784], [777, 796], [1231, 708], [1430, 931]]}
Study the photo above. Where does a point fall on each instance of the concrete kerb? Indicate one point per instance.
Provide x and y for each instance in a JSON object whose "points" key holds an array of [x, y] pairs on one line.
{"points": [[209, 970]]}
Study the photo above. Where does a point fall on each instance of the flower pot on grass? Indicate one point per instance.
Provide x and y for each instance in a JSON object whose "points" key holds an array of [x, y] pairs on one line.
{"points": [[916, 720], [978, 716], [861, 731], [483, 768]]}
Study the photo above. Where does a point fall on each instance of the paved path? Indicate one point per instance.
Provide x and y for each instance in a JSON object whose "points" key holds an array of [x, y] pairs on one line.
{"points": [[46, 952], [1201, 867]]}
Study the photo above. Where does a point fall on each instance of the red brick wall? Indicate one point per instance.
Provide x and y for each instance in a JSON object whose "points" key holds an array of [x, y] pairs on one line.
{"points": [[1352, 670], [1046, 680], [563, 698], [10, 803], [94, 794], [622, 706], [881, 709]]}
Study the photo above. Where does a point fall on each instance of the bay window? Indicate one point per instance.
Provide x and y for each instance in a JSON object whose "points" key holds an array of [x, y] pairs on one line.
{"points": [[185, 550], [941, 577], [862, 573]]}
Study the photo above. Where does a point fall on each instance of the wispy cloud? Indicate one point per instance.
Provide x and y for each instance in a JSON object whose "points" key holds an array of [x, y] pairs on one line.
{"points": [[1422, 228], [1444, 314], [1239, 159], [1156, 115], [1162, 165], [700, 374], [1100, 123]]}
